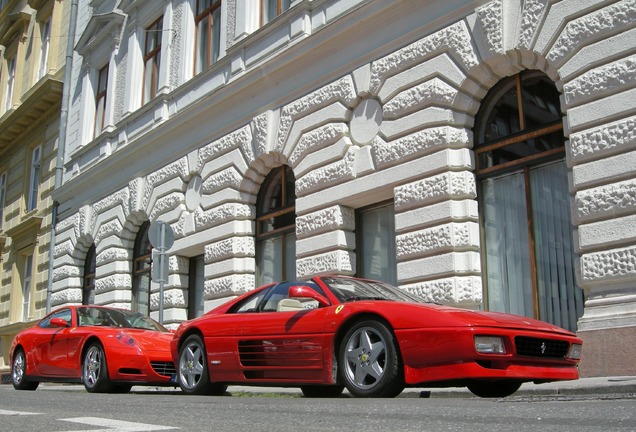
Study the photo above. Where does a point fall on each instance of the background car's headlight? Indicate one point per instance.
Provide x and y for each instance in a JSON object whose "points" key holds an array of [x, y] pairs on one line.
{"points": [[125, 339], [575, 352], [489, 345]]}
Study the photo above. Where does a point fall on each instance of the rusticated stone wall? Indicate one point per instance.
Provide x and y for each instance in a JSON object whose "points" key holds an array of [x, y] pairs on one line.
{"points": [[397, 127]]}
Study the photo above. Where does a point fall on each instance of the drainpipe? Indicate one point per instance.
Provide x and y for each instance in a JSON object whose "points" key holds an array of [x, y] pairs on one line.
{"points": [[61, 144]]}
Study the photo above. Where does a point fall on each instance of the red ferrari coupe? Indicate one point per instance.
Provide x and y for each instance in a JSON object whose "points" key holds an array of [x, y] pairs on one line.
{"points": [[374, 339], [107, 349]]}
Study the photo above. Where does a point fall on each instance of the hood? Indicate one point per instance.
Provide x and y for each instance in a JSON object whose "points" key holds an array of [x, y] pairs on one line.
{"points": [[483, 318], [150, 340]]}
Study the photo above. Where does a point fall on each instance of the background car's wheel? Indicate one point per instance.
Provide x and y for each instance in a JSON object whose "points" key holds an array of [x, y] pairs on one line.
{"points": [[369, 362], [194, 377], [18, 373], [493, 389], [321, 391], [94, 370]]}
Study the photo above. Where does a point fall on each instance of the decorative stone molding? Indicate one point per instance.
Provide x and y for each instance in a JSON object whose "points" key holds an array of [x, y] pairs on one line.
{"points": [[436, 240], [221, 214], [230, 248], [228, 286], [458, 291], [338, 262], [450, 185], [533, 13], [605, 201], [602, 141], [329, 219]]}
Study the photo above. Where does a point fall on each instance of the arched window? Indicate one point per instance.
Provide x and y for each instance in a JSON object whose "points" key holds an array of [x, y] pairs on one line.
{"points": [[528, 256], [141, 271], [276, 227], [88, 285]]}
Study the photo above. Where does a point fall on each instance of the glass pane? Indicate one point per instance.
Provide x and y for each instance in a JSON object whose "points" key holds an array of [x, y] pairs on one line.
{"points": [[215, 46], [268, 267], [148, 80], [503, 119], [560, 299], [520, 150], [269, 10], [290, 256], [508, 272], [202, 45], [376, 244], [540, 102], [143, 294]]}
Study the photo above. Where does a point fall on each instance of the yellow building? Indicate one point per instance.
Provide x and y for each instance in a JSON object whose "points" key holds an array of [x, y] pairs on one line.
{"points": [[33, 40]]}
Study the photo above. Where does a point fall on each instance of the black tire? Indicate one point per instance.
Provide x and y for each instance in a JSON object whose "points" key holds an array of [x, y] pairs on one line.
{"points": [[369, 363], [322, 391], [494, 389], [19, 373], [192, 369], [95, 371]]}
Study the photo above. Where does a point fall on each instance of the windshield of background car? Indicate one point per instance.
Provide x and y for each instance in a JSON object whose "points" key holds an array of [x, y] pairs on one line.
{"points": [[90, 316], [348, 290]]}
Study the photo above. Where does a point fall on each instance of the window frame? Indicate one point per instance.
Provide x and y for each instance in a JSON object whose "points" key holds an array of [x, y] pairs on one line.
{"points": [[3, 195], [208, 13], [27, 286], [101, 98], [141, 266], [10, 85], [265, 15], [34, 178], [154, 57], [44, 47]]}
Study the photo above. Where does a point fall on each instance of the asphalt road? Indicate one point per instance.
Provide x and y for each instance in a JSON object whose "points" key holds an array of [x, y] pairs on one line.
{"points": [[75, 410]]}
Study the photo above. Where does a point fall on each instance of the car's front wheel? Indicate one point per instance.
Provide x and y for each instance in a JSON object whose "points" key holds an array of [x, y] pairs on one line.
{"points": [[94, 370], [18, 373], [494, 389], [194, 376], [369, 362]]}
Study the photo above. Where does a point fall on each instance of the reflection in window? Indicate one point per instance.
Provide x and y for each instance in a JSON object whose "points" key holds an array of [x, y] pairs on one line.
{"points": [[8, 102], [152, 60], [270, 9], [88, 287], [208, 36], [141, 271], [524, 201], [196, 286], [3, 194], [45, 38], [34, 178], [276, 227], [100, 101], [375, 243]]}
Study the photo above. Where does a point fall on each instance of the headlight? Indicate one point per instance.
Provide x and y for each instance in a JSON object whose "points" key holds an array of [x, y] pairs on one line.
{"points": [[489, 345], [125, 339], [575, 352]]}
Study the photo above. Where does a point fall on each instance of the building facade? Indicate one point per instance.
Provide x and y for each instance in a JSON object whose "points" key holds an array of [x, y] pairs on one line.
{"points": [[475, 153], [32, 55]]}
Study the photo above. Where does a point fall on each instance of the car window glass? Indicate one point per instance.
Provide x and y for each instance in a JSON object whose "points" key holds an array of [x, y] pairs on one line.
{"points": [[65, 314], [251, 303]]}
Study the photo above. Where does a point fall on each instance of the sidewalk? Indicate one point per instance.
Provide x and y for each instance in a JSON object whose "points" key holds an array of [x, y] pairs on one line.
{"points": [[625, 385]]}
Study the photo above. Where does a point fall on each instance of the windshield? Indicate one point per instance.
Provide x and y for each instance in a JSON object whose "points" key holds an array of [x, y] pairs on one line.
{"points": [[92, 316], [348, 290]]}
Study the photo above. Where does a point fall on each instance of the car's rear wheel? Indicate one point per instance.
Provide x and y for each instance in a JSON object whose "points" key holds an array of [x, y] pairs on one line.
{"points": [[94, 370], [369, 362], [194, 376], [494, 389], [18, 373], [321, 391]]}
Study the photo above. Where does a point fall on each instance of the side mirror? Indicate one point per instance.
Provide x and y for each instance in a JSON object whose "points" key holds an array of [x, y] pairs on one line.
{"points": [[303, 291], [58, 322]]}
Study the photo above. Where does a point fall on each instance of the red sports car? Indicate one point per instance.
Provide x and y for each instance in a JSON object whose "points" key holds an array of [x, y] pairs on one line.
{"points": [[374, 339], [107, 349]]}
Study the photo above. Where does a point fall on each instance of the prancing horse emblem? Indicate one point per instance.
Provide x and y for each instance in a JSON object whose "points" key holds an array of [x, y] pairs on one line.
{"points": [[543, 348]]}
